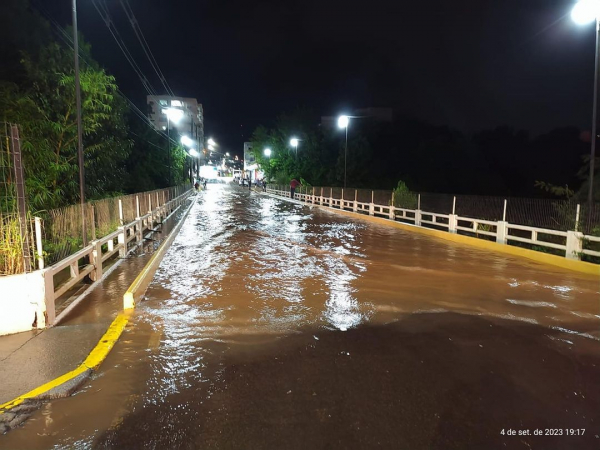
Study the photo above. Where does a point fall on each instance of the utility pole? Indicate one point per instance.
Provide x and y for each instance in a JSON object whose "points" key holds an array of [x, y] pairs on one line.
{"points": [[79, 127]]}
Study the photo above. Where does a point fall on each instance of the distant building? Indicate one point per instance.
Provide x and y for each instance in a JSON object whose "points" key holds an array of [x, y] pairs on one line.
{"points": [[192, 123], [250, 164], [378, 114]]}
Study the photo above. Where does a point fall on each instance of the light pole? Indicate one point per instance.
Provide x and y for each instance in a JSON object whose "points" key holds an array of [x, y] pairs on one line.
{"points": [[586, 11], [294, 143], [267, 153], [189, 143], [79, 126], [343, 122], [173, 115]]}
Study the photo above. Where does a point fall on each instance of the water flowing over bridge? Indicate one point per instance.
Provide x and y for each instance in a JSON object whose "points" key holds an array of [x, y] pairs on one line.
{"points": [[273, 324]]}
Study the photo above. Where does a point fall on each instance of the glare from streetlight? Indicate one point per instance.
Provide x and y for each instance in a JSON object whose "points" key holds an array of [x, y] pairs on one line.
{"points": [[585, 11], [193, 152], [343, 121], [211, 141], [294, 142], [267, 152], [185, 140], [174, 114], [211, 147], [227, 154]]}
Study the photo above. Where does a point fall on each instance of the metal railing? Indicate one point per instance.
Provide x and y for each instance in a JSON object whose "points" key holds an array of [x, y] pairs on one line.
{"points": [[90, 260], [571, 243]]}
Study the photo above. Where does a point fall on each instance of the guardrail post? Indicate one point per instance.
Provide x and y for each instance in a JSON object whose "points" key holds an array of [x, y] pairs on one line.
{"points": [[392, 211], [96, 260], [452, 223], [418, 211], [50, 315], [355, 206], [501, 231], [321, 197], [122, 242], [577, 217], [330, 197], [151, 218], [38, 242], [574, 245], [372, 204], [342, 200]]}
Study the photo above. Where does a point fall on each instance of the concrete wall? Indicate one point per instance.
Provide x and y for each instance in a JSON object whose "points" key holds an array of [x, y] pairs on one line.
{"points": [[21, 298]]}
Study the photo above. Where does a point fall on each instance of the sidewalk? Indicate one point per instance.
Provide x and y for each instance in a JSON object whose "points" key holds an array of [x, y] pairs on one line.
{"points": [[33, 358]]}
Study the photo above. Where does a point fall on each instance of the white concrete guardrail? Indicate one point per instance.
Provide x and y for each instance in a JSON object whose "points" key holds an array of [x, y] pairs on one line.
{"points": [[29, 299], [502, 231]]}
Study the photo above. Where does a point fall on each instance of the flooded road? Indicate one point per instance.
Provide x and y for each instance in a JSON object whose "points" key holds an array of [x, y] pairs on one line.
{"points": [[276, 325]]}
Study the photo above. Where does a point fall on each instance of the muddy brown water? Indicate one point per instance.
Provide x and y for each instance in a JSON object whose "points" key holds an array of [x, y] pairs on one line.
{"points": [[276, 325]]}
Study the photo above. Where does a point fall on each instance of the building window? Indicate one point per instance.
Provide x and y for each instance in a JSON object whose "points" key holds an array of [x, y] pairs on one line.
{"points": [[176, 103], [162, 103]]}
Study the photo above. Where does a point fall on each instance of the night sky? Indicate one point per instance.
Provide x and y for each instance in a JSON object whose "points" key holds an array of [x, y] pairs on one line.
{"points": [[470, 64]]}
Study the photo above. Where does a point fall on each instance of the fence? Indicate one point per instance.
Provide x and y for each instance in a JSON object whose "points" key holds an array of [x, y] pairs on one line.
{"points": [[15, 233], [61, 228], [90, 261], [561, 227]]}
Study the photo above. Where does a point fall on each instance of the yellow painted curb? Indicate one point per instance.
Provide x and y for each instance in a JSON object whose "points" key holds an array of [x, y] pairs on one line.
{"points": [[546, 258], [107, 341], [94, 359], [141, 282]]}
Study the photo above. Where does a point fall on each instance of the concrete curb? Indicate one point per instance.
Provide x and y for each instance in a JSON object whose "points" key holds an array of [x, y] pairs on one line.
{"points": [[14, 412], [546, 258], [141, 282]]}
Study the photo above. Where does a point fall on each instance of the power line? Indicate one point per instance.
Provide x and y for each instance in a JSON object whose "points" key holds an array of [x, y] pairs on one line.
{"points": [[140, 35], [68, 40], [121, 43]]}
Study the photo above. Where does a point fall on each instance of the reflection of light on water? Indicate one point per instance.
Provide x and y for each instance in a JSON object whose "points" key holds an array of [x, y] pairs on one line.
{"points": [[531, 303], [341, 309]]}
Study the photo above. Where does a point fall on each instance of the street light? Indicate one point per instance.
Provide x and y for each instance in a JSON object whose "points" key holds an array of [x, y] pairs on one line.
{"points": [[173, 115], [211, 141], [294, 143], [268, 152], [193, 152], [586, 11], [185, 140], [343, 122]]}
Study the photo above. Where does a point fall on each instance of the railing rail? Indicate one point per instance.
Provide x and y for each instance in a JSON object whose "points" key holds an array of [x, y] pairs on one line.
{"points": [[571, 242], [90, 260]]}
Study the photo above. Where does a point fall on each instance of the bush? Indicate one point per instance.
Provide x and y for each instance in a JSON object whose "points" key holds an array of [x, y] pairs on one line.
{"points": [[404, 198]]}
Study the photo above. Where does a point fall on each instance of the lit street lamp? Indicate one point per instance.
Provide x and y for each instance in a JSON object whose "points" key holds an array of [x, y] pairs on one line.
{"points": [[268, 153], [173, 115], [194, 152], [185, 140], [586, 11], [343, 122], [294, 143]]}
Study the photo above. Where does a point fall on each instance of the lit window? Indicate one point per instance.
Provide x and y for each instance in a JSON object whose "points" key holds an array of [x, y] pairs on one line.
{"points": [[162, 102], [176, 103]]}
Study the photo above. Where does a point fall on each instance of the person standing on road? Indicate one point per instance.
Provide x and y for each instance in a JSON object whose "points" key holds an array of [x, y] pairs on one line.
{"points": [[249, 184], [293, 185]]}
